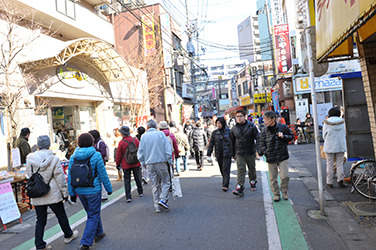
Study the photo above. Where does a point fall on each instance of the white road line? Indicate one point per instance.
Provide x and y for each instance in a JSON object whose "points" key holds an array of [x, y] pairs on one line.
{"points": [[271, 222], [79, 222]]}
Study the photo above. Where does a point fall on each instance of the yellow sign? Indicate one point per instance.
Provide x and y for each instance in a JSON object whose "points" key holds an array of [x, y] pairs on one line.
{"points": [[245, 101], [335, 21], [260, 98], [149, 35]]}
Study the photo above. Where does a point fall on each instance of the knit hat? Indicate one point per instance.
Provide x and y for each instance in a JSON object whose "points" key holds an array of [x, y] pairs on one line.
{"points": [[85, 140], [124, 130], [163, 125], [43, 142], [334, 112], [25, 131]]}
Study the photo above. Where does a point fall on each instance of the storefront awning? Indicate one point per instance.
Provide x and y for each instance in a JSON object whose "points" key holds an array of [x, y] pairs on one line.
{"points": [[233, 109], [101, 60]]}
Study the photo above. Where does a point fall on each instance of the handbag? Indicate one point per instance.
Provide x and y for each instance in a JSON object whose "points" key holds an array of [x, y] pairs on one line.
{"points": [[35, 186]]}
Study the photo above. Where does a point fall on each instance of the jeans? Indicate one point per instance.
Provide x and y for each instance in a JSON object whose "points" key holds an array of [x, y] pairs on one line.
{"points": [[225, 168], [242, 162], [93, 228], [160, 179], [199, 155], [283, 175], [59, 211], [177, 162], [127, 181]]}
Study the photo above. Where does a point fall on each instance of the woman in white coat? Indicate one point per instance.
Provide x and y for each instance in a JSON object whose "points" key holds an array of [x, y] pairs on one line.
{"points": [[334, 135], [50, 169]]}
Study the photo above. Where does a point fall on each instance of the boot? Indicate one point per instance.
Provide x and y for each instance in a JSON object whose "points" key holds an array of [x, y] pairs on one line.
{"points": [[119, 176]]}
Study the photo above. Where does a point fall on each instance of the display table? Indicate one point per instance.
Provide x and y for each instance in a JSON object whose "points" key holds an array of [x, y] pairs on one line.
{"points": [[18, 185]]}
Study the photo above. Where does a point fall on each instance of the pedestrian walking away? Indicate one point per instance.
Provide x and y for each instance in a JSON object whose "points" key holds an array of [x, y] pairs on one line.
{"points": [[220, 140], [144, 172], [183, 145], [129, 165], [85, 157], [309, 128], [117, 140], [244, 136], [23, 145], [155, 152], [273, 142], [198, 140], [334, 135], [49, 167]]}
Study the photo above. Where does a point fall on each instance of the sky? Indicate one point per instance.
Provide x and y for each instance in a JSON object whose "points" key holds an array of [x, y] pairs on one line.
{"points": [[217, 23]]}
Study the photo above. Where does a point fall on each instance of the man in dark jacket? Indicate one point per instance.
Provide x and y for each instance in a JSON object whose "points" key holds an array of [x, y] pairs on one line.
{"points": [[243, 140], [273, 144], [23, 145], [198, 141], [220, 139]]}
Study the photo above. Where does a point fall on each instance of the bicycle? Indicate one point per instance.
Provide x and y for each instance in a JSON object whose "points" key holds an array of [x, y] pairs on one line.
{"points": [[363, 178]]}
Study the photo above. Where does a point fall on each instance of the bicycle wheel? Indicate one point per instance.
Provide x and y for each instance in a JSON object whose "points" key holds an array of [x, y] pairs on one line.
{"points": [[363, 178]]}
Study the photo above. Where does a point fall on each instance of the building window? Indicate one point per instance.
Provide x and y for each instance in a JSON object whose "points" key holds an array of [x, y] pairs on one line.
{"points": [[245, 87], [240, 28], [224, 96], [240, 90], [66, 7]]}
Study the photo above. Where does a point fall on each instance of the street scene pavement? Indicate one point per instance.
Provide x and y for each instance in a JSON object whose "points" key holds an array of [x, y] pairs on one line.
{"points": [[208, 218]]}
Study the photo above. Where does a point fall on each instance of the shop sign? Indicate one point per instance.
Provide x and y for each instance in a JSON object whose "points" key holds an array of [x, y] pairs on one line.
{"points": [[224, 104], [58, 113], [142, 120], [149, 35], [233, 88], [282, 49], [166, 39], [8, 207], [260, 98], [277, 12], [287, 89], [245, 100], [188, 91], [323, 83], [72, 76], [187, 111], [334, 19]]}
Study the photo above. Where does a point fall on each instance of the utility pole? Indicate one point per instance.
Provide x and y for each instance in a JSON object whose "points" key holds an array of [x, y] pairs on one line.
{"points": [[270, 40], [315, 116]]}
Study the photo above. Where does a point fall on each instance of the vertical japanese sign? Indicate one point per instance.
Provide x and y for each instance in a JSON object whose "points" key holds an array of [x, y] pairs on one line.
{"points": [[282, 49], [149, 35], [167, 39], [275, 96]]}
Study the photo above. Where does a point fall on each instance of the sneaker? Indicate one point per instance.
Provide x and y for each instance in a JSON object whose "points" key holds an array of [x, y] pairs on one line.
{"points": [[330, 186], [84, 247], [224, 189], [276, 198], [163, 204], [98, 238], [285, 196], [253, 185], [141, 195], [158, 210], [48, 247], [129, 200], [144, 180], [74, 236], [238, 191]]}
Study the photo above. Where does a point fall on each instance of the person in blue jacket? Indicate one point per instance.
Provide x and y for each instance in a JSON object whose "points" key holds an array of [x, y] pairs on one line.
{"points": [[90, 196]]}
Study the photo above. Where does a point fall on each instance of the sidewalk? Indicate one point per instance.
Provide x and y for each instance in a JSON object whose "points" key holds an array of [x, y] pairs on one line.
{"points": [[355, 232]]}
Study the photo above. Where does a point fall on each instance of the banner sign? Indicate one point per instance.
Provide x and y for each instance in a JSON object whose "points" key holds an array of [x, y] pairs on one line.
{"points": [[188, 91], [282, 49], [323, 83], [166, 39], [245, 100], [275, 97], [149, 35], [260, 98]]}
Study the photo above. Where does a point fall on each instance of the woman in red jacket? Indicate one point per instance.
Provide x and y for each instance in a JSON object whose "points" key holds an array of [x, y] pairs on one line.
{"points": [[121, 162]]}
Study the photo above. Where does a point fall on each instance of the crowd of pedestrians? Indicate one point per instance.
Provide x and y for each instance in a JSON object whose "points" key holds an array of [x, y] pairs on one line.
{"points": [[157, 151]]}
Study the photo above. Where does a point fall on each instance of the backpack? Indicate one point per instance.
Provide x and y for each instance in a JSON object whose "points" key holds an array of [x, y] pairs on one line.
{"points": [[130, 154], [107, 156], [82, 174], [35, 186]]}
